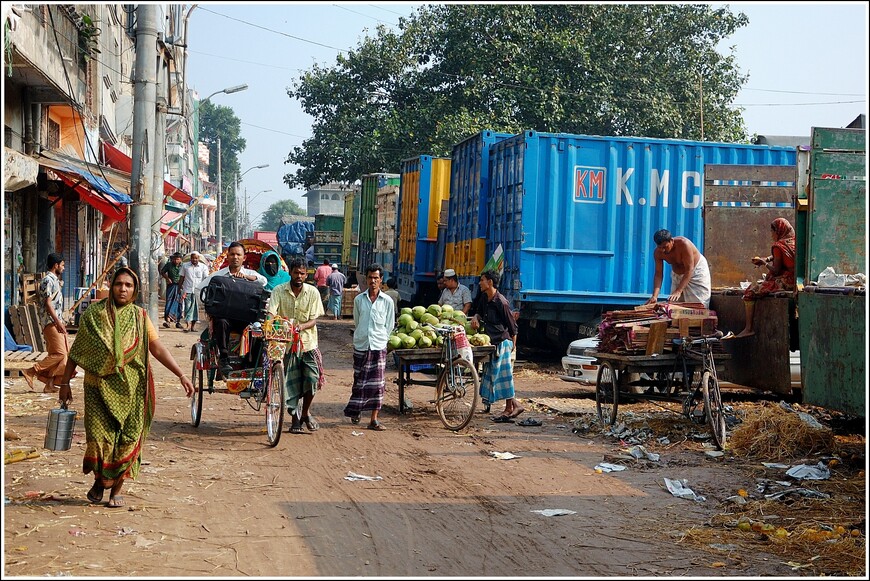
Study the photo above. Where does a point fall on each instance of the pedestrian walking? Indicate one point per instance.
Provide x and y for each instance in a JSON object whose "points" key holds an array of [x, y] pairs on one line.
{"points": [[49, 307], [113, 344], [335, 281], [373, 318], [171, 273], [300, 302], [192, 273]]}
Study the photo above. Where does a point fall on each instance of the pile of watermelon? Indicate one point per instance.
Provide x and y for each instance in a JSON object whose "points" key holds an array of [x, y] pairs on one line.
{"points": [[411, 330]]}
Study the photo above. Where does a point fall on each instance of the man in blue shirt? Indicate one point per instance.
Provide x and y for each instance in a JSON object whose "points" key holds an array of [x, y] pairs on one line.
{"points": [[374, 315]]}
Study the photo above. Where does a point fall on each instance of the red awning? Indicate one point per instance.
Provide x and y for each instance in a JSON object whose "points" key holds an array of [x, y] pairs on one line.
{"points": [[112, 212], [119, 160]]}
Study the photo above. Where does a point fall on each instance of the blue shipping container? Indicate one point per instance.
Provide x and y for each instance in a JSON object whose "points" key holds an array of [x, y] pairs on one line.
{"points": [[576, 214], [468, 217], [423, 193]]}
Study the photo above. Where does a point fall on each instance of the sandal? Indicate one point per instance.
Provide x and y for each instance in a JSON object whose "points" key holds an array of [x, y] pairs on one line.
{"points": [[529, 422], [311, 423], [503, 419], [95, 494], [354, 419], [116, 502], [296, 426], [377, 426]]}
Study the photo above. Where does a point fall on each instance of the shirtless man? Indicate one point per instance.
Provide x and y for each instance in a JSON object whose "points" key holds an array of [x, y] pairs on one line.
{"points": [[690, 275]]}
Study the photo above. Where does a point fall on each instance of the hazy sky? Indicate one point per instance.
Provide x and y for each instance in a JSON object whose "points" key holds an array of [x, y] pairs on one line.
{"points": [[807, 64]]}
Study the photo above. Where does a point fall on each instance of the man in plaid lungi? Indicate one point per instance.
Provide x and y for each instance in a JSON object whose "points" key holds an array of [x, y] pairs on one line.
{"points": [[373, 316], [300, 302], [492, 311]]}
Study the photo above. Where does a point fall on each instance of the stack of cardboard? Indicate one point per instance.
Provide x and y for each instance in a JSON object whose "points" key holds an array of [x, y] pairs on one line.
{"points": [[649, 329], [347, 298]]}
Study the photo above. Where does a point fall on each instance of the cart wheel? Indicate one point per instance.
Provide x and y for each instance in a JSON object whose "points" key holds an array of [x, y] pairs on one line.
{"points": [[607, 393], [713, 408], [275, 404], [196, 398], [456, 399]]}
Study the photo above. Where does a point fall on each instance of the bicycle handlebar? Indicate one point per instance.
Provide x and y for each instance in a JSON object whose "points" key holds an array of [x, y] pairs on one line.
{"points": [[714, 338]]}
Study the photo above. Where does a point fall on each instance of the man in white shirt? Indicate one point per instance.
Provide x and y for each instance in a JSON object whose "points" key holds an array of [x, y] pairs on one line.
{"points": [[192, 273], [373, 317], [455, 294]]}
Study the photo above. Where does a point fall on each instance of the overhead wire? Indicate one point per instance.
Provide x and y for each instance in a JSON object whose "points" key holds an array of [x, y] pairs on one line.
{"points": [[535, 89]]}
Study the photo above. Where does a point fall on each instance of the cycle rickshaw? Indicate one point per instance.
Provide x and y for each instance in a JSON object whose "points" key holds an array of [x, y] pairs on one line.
{"points": [[256, 358]]}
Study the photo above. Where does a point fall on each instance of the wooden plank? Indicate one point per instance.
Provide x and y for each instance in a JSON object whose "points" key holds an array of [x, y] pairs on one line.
{"points": [[32, 317], [750, 173], [19, 326], [655, 342], [10, 364], [751, 194], [732, 236], [760, 361]]}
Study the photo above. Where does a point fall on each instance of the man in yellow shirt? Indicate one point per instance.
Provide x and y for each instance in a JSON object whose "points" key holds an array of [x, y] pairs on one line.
{"points": [[300, 301]]}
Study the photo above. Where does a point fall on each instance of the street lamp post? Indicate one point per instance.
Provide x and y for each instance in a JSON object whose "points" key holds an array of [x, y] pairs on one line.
{"points": [[219, 216], [247, 201], [236, 201]]}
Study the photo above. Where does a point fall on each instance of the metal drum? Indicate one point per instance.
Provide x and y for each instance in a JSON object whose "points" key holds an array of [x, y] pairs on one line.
{"points": [[59, 428]]}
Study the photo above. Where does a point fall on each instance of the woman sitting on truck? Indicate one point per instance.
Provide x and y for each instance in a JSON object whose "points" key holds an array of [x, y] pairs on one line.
{"points": [[780, 270]]}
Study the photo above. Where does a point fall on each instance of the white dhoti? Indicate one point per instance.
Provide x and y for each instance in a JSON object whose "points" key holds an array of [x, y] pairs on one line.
{"points": [[698, 289]]}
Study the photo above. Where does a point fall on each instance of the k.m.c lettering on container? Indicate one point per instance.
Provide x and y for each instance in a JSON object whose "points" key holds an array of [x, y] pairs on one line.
{"points": [[589, 184]]}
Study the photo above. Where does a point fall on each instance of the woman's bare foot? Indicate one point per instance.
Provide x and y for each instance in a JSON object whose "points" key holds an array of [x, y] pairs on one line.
{"points": [[745, 333]]}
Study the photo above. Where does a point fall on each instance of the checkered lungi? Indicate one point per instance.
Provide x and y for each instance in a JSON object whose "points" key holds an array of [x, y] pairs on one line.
{"points": [[367, 393], [498, 374], [191, 310], [303, 373]]}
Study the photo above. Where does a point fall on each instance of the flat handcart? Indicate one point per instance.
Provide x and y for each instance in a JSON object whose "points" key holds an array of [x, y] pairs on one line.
{"points": [[688, 376]]}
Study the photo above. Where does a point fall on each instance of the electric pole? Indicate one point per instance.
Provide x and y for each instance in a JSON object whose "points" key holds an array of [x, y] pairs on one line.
{"points": [[142, 170]]}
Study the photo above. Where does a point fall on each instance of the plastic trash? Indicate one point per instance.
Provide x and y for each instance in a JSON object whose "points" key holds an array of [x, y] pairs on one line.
{"points": [[774, 465], [353, 476], [503, 455], [807, 472], [606, 467], [641, 452], [554, 511], [829, 277], [680, 489]]}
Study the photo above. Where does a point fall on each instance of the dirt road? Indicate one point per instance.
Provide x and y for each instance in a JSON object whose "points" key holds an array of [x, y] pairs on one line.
{"points": [[216, 501]]}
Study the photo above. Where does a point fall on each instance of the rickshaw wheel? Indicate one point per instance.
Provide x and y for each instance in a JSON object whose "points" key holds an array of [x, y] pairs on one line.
{"points": [[607, 393], [196, 398], [275, 403], [713, 408]]}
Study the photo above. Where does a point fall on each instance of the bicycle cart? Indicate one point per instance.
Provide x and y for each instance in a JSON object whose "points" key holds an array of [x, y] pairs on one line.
{"points": [[687, 376], [457, 385], [258, 371]]}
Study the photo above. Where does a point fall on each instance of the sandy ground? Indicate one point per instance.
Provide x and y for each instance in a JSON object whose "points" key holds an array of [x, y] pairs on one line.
{"points": [[217, 501]]}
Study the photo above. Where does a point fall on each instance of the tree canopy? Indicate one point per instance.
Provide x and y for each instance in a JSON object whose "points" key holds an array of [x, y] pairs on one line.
{"points": [[271, 218], [217, 121], [452, 70]]}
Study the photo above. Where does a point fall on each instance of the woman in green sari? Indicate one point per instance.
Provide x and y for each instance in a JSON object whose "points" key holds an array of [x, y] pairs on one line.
{"points": [[112, 345]]}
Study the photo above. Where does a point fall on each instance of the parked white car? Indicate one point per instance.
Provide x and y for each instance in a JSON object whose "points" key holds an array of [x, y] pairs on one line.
{"points": [[577, 364]]}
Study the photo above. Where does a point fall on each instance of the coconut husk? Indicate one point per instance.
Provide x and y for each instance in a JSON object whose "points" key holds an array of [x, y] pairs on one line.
{"points": [[773, 433]]}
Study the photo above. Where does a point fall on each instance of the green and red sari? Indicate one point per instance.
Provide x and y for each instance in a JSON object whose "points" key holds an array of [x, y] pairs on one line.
{"points": [[111, 345]]}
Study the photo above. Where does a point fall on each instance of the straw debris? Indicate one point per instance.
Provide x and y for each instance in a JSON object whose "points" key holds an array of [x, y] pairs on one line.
{"points": [[773, 433]]}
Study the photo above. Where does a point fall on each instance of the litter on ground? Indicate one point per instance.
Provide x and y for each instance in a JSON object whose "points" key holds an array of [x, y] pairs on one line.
{"points": [[554, 511], [353, 476], [680, 489]]}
